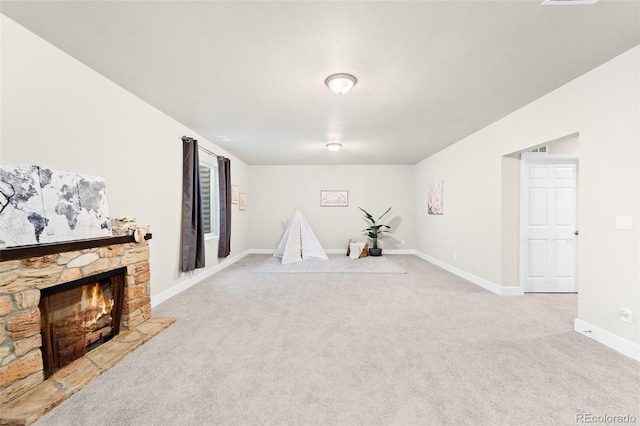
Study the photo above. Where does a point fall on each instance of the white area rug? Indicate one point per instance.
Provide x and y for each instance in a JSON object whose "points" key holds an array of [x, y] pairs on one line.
{"points": [[341, 264]]}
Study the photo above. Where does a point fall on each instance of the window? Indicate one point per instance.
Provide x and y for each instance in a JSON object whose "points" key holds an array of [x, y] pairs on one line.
{"points": [[209, 193]]}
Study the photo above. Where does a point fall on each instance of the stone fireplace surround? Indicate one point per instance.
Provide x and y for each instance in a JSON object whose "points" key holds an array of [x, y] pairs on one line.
{"points": [[21, 279]]}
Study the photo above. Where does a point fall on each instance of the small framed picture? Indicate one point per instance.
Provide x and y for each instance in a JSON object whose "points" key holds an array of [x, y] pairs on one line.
{"points": [[334, 198], [242, 201], [235, 191], [435, 192]]}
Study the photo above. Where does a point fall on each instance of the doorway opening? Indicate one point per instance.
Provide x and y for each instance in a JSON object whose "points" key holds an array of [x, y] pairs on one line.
{"points": [[540, 216]]}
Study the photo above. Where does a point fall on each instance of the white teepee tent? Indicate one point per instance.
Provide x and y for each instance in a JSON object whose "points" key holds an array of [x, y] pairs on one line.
{"points": [[299, 242]]}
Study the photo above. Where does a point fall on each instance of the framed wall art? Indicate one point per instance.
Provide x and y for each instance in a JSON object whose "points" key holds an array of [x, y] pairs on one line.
{"points": [[334, 198], [435, 192], [235, 191], [41, 205]]}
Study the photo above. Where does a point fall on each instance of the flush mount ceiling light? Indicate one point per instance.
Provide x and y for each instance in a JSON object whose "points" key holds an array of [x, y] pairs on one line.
{"points": [[333, 146], [340, 83], [568, 2]]}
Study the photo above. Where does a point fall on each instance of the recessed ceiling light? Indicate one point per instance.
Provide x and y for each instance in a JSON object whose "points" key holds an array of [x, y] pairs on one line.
{"points": [[224, 139], [340, 83], [333, 146]]}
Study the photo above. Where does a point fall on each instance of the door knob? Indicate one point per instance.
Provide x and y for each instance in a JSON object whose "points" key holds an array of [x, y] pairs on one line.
{"points": [[576, 233]]}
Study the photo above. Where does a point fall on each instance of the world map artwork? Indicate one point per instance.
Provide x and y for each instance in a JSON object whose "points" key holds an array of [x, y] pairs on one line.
{"points": [[40, 205]]}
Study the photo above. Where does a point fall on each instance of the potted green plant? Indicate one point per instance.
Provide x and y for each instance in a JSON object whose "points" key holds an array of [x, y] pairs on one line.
{"points": [[375, 231]]}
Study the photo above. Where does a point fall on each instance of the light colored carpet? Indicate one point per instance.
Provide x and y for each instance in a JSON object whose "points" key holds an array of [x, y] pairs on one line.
{"points": [[335, 264], [422, 348]]}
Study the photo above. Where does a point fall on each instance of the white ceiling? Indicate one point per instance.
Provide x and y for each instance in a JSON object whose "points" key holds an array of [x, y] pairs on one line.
{"points": [[429, 73]]}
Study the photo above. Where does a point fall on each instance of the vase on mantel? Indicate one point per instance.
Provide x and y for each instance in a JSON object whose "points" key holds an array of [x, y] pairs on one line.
{"points": [[120, 230]]}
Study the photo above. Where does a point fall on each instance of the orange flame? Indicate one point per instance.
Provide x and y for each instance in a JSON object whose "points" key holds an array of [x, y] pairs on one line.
{"points": [[93, 304]]}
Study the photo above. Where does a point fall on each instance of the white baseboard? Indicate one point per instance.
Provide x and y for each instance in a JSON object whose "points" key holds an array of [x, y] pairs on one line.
{"points": [[384, 251], [337, 251], [179, 288], [617, 343], [398, 251], [486, 284]]}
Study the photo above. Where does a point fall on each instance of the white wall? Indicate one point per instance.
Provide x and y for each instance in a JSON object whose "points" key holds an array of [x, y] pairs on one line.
{"points": [[603, 107], [565, 146], [59, 113], [276, 189]]}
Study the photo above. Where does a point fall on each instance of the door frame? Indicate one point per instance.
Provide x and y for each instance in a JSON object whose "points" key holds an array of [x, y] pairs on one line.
{"points": [[542, 158]]}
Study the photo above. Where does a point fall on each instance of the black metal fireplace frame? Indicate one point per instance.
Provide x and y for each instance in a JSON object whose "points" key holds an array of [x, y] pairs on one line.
{"points": [[117, 277], [82, 281]]}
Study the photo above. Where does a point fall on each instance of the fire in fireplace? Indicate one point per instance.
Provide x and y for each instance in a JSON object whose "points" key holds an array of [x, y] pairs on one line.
{"points": [[79, 316]]}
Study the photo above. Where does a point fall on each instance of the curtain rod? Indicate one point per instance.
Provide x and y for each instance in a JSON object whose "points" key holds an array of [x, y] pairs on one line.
{"points": [[201, 148], [207, 151]]}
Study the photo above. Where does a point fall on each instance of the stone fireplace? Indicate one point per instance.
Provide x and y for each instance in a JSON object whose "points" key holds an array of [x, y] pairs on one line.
{"points": [[29, 273]]}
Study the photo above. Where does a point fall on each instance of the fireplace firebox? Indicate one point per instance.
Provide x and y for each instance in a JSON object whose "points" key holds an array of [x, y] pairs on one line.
{"points": [[79, 316]]}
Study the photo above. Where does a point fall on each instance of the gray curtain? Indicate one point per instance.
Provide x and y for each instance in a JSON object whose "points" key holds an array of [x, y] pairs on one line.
{"points": [[224, 181], [192, 238]]}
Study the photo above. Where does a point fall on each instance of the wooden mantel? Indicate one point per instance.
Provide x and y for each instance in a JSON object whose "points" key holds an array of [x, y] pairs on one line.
{"points": [[24, 252]]}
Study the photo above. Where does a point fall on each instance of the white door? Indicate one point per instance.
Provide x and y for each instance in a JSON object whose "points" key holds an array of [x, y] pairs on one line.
{"points": [[549, 225]]}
